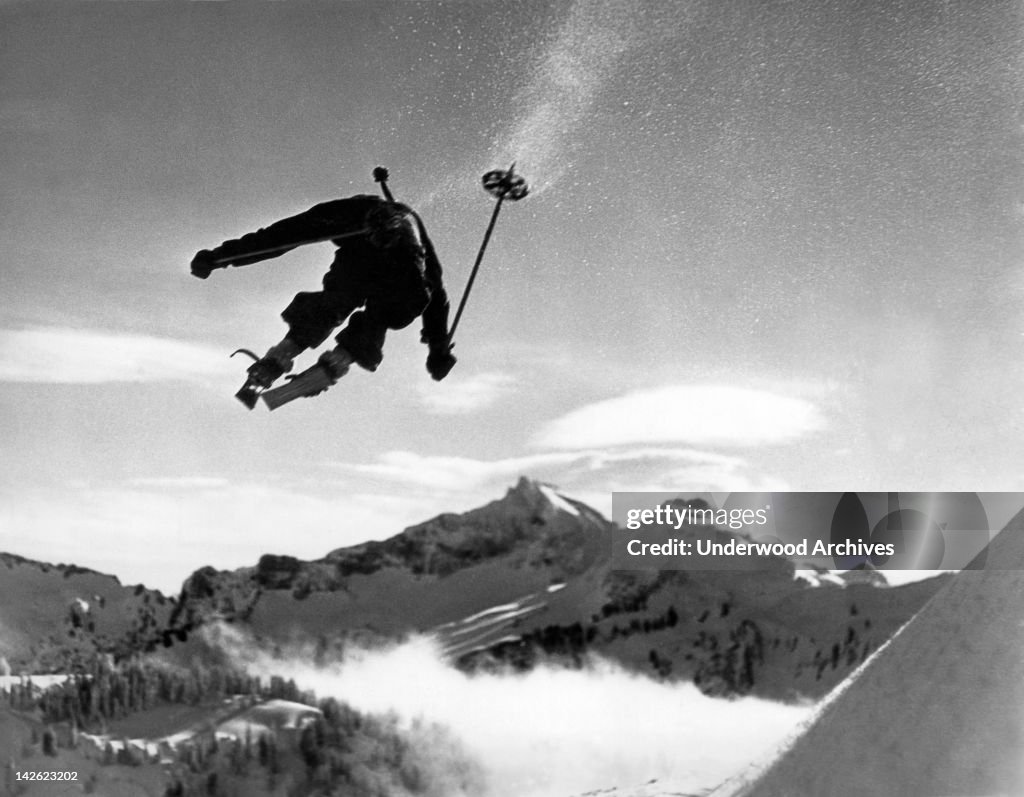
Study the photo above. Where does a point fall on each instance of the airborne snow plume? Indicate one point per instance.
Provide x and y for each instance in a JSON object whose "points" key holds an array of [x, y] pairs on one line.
{"points": [[551, 732], [572, 69]]}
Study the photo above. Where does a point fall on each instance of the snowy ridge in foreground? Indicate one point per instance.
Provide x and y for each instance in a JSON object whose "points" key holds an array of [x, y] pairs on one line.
{"points": [[937, 711], [733, 787]]}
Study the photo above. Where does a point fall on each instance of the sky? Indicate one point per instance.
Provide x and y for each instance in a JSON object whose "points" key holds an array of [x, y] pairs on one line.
{"points": [[768, 246]]}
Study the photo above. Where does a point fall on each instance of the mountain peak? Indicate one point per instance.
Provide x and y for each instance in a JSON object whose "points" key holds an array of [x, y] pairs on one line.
{"points": [[531, 522], [540, 497], [527, 489], [865, 573]]}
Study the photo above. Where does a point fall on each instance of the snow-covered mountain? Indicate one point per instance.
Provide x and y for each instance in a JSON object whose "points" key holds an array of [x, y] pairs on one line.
{"points": [[524, 581], [529, 577], [524, 578]]}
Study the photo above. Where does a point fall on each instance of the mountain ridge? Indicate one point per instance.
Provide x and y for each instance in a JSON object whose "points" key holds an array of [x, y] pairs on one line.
{"points": [[529, 576], [525, 578], [51, 615]]}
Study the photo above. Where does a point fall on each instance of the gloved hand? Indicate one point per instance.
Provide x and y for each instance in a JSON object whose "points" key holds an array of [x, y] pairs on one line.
{"points": [[440, 361], [203, 264]]}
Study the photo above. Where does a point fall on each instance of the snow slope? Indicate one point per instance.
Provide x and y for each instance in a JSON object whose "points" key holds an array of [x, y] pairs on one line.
{"points": [[940, 711]]}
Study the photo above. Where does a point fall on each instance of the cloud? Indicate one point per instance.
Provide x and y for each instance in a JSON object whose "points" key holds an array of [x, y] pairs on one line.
{"points": [[691, 414], [191, 523], [59, 355], [551, 731], [465, 395], [198, 520], [452, 473], [179, 482], [458, 483], [459, 473]]}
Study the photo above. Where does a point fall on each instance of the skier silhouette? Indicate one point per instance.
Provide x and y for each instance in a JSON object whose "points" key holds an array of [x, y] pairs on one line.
{"points": [[385, 275]]}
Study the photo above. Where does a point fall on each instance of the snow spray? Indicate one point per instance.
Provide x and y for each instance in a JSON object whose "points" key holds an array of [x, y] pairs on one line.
{"points": [[546, 733], [574, 64]]}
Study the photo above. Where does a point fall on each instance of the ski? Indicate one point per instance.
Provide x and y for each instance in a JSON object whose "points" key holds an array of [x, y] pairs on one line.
{"points": [[331, 367], [311, 382], [248, 395], [257, 380]]}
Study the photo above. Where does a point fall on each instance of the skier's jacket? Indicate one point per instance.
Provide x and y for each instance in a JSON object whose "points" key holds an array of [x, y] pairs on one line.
{"points": [[366, 229]]}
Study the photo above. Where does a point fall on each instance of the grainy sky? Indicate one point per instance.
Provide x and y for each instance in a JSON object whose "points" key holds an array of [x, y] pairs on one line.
{"points": [[770, 245]]}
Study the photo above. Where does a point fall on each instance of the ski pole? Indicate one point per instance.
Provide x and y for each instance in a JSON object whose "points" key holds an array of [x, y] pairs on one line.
{"points": [[380, 175], [504, 185]]}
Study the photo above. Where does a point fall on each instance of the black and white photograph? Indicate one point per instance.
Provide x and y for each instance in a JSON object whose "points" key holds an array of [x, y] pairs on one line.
{"points": [[547, 398]]}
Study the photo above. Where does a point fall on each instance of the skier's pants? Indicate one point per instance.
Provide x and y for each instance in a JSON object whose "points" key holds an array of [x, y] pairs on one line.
{"points": [[372, 307]]}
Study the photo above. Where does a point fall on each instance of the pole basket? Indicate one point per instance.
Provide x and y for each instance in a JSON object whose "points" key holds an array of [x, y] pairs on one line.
{"points": [[505, 184]]}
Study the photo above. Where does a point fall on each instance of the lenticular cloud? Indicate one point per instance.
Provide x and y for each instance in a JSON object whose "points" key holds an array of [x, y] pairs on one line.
{"points": [[692, 414]]}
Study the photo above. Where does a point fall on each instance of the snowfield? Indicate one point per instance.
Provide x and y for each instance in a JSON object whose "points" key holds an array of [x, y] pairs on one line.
{"points": [[938, 711]]}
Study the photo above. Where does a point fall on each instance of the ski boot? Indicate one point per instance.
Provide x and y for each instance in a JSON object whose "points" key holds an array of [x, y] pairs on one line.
{"points": [[331, 367], [266, 370]]}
